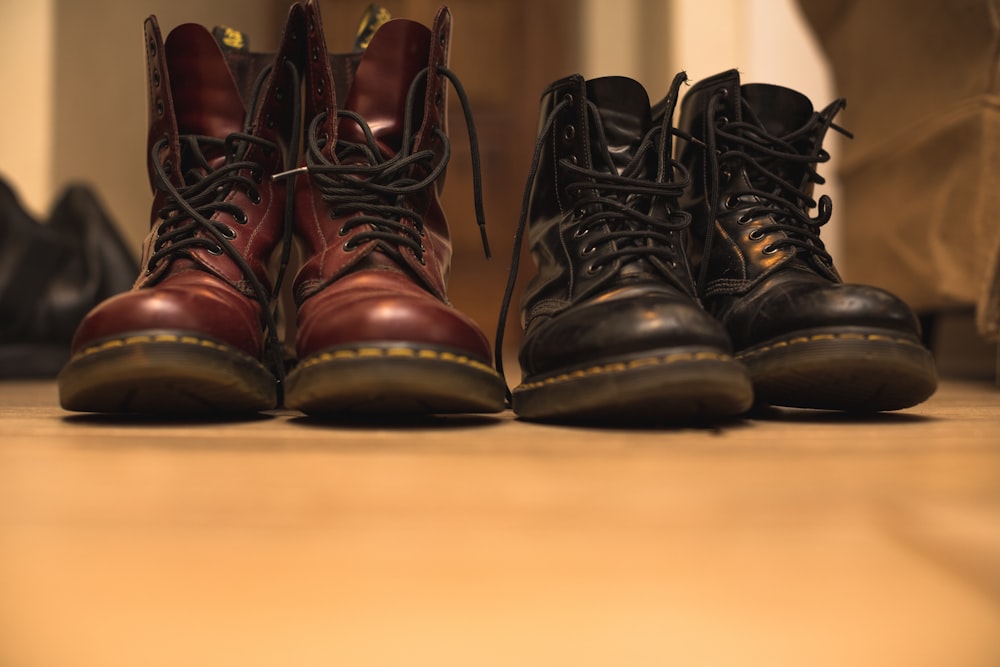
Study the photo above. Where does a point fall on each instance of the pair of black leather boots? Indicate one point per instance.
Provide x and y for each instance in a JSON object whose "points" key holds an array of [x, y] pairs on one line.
{"points": [[680, 273], [51, 273]]}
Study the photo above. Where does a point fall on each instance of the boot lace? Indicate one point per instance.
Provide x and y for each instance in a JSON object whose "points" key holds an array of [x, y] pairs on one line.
{"points": [[188, 217], [768, 160], [619, 209], [381, 189]]}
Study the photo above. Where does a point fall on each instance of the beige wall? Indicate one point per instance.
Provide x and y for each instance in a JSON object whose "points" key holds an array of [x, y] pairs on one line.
{"points": [[79, 110], [26, 73]]}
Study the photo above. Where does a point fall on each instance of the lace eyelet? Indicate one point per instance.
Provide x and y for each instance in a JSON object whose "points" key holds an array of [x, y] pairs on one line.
{"points": [[241, 218], [349, 246], [229, 233], [594, 269], [769, 250], [572, 159], [343, 231], [755, 235], [568, 98], [744, 219], [569, 133], [722, 121], [723, 93], [254, 197], [159, 107], [733, 201], [315, 54], [589, 250], [152, 46], [156, 78], [438, 98], [580, 232], [215, 250]]}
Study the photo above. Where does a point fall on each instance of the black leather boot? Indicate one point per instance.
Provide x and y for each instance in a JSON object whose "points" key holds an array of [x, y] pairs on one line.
{"points": [[51, 275], [809, 339], [613, 331]]}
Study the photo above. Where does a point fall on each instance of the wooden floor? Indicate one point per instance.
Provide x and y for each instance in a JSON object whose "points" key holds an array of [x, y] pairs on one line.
{"points": [[802, 539]]}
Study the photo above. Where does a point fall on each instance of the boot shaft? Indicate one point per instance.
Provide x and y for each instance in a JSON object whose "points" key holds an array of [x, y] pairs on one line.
{"points": [[376, 156], [213, 144], [602, 203], [754, 157]]}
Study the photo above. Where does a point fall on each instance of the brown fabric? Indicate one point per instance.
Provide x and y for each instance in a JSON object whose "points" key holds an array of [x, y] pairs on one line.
{"points": [[921, 180]]}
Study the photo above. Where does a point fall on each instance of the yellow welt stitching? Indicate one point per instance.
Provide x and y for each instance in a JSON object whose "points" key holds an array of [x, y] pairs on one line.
{"points": [[619, 367]]}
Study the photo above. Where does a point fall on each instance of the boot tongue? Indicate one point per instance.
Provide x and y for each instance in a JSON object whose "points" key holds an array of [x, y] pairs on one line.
{"points": [[623, 107], [780, 110], [397, 52], [206, 99]]}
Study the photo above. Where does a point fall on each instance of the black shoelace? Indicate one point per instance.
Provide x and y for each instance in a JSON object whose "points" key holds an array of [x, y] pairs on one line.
{"points": [[187, 217], [623, 206], [766, 158], [380, 188]]}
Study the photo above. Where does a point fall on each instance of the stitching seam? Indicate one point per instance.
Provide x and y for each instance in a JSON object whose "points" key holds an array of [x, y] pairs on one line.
{"points": [[815, 338], [623, 366]]}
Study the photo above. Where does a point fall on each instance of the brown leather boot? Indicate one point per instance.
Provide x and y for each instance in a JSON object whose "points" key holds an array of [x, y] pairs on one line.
{"points": [[376, 333], [196, 333]]}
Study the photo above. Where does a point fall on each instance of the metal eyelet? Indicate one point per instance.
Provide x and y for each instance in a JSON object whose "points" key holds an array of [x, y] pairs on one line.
{"points": [[769, 250], [744, 219], [580, 232], [228, 233], [156, 77], [733, 201], [589, 250], [349, 246], [152, 46], [215, 250], [343, 231], [569, 133], [159, 107], [240, 217], [755, 235], [438, 98], [568, 98]]}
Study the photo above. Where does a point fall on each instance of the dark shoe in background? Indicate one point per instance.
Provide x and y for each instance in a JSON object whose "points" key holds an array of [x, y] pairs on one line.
{"points": [[376, 333], [197, 332], [51, 275], [808, 339], [613, 329]]}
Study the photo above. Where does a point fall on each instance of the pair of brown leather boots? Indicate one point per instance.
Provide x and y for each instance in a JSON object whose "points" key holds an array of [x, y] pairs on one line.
{"points": [[347, 153]]}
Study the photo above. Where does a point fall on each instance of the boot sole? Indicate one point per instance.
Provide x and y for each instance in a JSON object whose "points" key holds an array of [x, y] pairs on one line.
{"points": [[672, 386], [165, 373], [855, 370], [391, 380]]}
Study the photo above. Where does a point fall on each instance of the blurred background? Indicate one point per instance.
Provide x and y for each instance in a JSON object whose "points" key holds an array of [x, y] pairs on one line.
{"points": [[75, 103]]}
